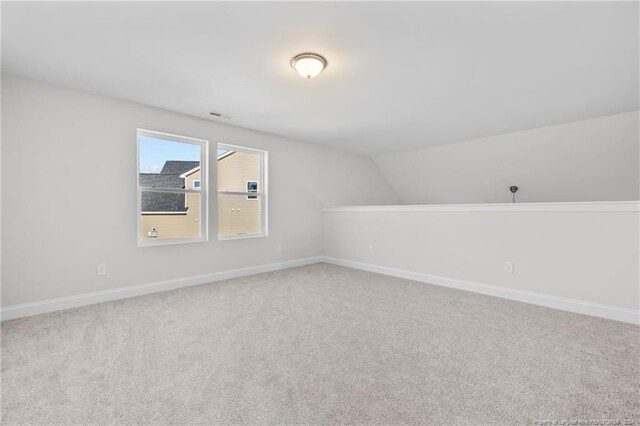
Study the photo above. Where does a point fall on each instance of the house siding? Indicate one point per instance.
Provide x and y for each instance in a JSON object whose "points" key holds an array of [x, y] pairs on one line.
{"points": [[237, 214]]}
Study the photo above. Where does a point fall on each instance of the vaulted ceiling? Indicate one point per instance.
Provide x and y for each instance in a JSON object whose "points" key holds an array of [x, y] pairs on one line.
{"points": [[400, 76]]}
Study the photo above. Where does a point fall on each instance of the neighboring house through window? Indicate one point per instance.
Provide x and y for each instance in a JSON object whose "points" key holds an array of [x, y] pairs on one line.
{"points": [[171, 205], [252, 186], [242, 192]]}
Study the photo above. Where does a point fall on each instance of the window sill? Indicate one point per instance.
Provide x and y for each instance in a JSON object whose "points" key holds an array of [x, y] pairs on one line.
{"points": [[151, 243], [241, 236]]}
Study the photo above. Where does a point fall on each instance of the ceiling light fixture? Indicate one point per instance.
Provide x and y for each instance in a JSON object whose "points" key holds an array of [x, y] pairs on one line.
{"points": [[308, 65]]}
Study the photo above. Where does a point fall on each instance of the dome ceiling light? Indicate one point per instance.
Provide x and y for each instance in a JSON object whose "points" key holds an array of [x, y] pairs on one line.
{"points": [[308, 65]]}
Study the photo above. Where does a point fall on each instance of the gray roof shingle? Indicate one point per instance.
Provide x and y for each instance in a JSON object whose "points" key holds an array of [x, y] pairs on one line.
{"points": [[175, 167], [162, 202], [155, 180]]}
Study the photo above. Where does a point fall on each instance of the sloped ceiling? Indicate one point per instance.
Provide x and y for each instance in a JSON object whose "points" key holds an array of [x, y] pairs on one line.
{"points": [[401, 76]]}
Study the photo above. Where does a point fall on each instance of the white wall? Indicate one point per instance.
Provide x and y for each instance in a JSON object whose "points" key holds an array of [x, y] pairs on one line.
{"points": [[591, 256], [69, 194], [590, 160]]}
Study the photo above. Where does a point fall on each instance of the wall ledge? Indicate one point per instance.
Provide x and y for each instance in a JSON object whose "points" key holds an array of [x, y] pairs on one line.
{"points": [[599, 206]]}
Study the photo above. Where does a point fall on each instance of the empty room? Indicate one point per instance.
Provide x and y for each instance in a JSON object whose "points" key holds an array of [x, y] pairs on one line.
{"points": [[311, 213]]}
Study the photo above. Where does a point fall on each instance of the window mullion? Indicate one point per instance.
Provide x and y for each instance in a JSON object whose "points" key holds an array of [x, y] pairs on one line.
{"points": [[239, 193]]}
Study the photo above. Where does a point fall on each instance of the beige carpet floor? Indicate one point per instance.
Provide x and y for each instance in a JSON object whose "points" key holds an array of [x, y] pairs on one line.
{"points": [[318, 344]]}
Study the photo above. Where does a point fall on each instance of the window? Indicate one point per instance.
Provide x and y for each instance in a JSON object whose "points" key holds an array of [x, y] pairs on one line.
{"points": [[242, 192], [172, 190]]}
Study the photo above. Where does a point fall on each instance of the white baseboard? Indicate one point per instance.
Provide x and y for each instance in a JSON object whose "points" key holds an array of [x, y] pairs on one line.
{"points": [[572, 305], [565, 304], [62, 303]]}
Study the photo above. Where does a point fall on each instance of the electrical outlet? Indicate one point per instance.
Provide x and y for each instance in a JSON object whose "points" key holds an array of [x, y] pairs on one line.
{"points": [[370, 249], [101, 269], [508, 267], [279, 247]]}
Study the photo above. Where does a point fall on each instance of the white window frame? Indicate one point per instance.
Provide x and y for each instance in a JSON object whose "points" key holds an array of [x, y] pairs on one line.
{"points": [[203, 190], [262, 192], [194, 183]]}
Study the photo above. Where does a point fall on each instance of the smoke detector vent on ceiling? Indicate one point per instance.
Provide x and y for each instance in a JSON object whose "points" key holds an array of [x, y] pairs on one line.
{"points": [[217, 114]]}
